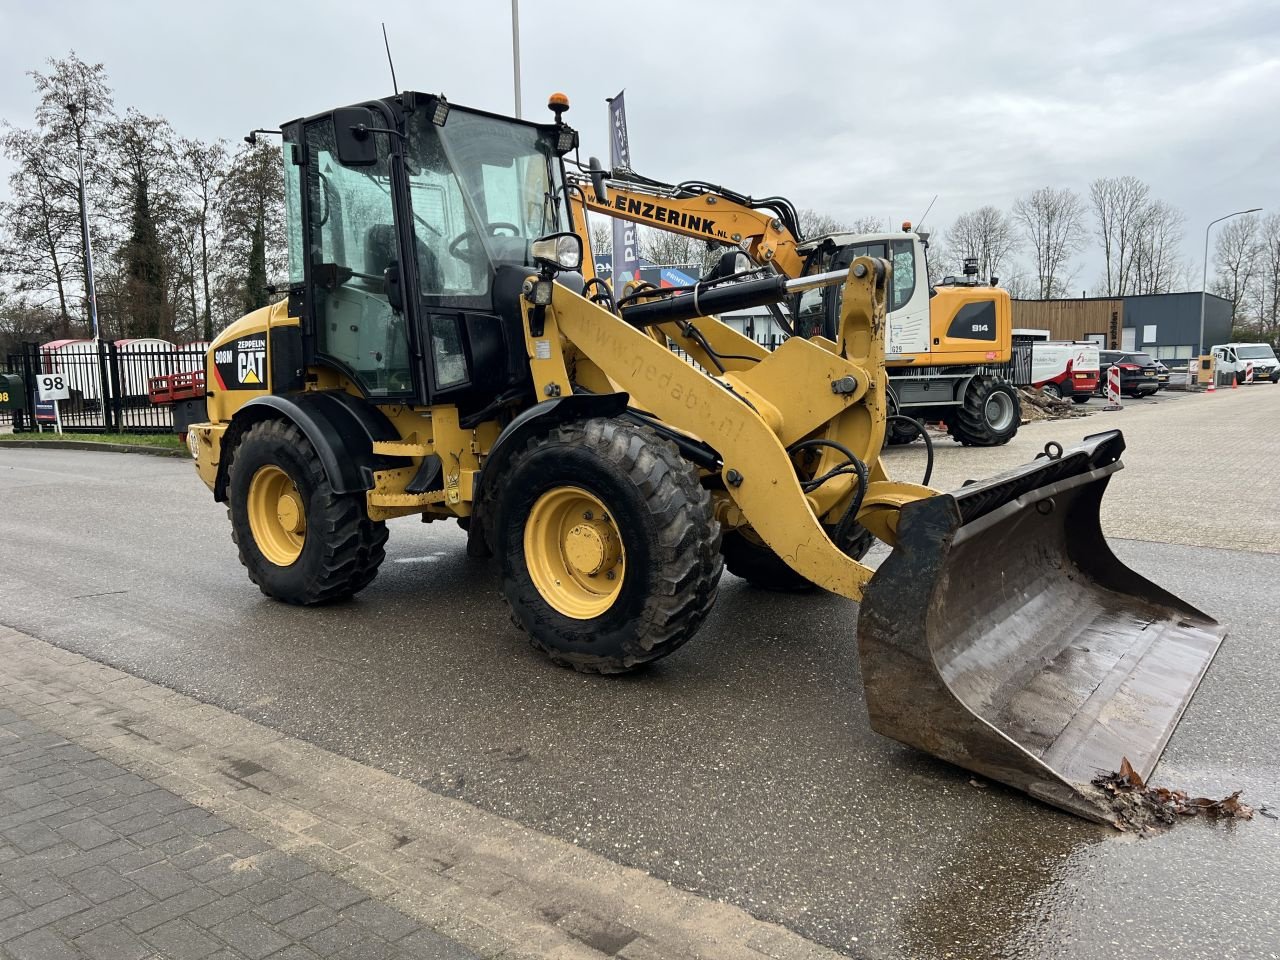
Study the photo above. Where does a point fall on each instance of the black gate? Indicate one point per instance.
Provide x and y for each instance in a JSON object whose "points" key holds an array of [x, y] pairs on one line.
{"points": [[1020, 362], [109, 384]]}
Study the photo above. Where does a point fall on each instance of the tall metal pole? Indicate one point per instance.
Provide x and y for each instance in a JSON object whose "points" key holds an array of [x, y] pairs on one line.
{"points": [[515, 49], [1205, 281], [73, 108], [88, 250]]}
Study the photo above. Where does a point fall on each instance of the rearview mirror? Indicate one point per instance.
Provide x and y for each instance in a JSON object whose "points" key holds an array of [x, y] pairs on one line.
{"points": [[353, 136], [597, 179]]}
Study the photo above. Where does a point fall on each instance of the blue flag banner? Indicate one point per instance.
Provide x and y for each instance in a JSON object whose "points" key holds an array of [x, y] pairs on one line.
{"points": [[626, 236]]}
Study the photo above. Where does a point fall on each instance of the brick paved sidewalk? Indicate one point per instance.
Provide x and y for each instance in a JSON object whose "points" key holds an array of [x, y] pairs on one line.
{"points": [[98, 862]]}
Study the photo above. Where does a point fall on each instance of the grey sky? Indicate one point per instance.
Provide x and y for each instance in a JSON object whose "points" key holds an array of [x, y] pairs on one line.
{"points": [[848, 107]]}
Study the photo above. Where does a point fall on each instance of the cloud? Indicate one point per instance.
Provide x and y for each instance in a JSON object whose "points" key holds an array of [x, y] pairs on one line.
{"points": [[846, 107]]}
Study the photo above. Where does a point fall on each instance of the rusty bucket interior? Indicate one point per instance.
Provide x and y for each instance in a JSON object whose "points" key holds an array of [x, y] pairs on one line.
{"points": [[1003, 635]]}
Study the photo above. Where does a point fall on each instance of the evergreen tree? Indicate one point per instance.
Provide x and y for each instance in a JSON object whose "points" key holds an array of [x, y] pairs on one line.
{"points": [[144, 269], [255, 293]]}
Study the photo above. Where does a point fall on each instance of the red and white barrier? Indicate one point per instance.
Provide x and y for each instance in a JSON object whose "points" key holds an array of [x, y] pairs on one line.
{"points": [[1113, 388], [1248, 372]]}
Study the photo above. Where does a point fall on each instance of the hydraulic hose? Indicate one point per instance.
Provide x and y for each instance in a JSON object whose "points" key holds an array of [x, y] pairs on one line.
{"points": [[928, 443], [840, 533]]}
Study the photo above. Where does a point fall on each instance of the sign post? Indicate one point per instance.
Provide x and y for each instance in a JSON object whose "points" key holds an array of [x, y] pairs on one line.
{"points": [[52, 387], [1113, 389], [626, 235]]}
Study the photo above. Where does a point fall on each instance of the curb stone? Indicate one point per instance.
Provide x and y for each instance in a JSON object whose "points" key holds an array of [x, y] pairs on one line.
{"points": [[91, 445]]}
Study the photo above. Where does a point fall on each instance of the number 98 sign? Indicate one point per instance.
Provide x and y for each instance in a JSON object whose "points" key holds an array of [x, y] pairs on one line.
{"points": [[53, 386]]}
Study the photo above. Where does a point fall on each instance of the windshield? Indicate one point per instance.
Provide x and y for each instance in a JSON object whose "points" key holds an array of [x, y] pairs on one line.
{"points": [[481, 189], [1255, 351], [1141, 359]]}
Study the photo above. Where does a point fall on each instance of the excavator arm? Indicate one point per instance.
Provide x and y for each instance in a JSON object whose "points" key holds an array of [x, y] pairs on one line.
{"points": [[766, 229]]}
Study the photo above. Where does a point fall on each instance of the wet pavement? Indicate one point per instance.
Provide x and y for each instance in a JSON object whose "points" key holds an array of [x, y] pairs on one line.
{"points": [[741, 768]]}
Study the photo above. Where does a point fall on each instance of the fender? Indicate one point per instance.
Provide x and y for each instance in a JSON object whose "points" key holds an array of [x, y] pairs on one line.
{"points": [[340, 427], [536, 419], [540, 418]]}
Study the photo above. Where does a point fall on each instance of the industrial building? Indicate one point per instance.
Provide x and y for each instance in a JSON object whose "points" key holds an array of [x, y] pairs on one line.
{"points": [[1164, 325]]}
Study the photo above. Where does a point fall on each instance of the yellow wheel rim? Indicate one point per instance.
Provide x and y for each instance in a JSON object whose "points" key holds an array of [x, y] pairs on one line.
{"points": [[573, 551], [277, 515]]}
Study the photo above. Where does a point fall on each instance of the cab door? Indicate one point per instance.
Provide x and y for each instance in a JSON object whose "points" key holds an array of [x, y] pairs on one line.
{"points": [[352, 253]]}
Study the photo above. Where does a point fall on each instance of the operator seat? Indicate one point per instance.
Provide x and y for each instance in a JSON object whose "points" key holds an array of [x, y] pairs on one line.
{"points": [[380, 253]]}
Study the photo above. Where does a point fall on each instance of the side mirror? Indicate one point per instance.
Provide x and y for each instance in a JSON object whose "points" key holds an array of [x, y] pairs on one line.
{"points": [[597, 179], [391, 287], [559, 251], [353, 135]]}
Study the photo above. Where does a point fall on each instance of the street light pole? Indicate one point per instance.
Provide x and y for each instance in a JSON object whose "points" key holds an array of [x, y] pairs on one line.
{"points": [[72, 108], [515, 49], [1205, 281]]}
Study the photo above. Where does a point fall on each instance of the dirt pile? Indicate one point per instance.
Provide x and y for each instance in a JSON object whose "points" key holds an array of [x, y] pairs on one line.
{"points": [[1037, 406]]}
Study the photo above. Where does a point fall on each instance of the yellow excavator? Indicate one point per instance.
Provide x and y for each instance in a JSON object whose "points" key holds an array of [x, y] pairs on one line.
{"points": [[948, 346], [441, 355]]}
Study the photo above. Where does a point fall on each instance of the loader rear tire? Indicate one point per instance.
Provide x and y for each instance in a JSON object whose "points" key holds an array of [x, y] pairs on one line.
{"points": [[321, 546], [748, 557], [610, 548], [990, 415]]}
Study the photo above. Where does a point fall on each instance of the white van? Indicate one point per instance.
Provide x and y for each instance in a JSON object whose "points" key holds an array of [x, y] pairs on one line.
{"points": [[1233, 358]]}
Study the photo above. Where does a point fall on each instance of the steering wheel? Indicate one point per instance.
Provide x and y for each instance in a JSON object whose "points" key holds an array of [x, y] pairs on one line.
{"points": [[466, 235]]}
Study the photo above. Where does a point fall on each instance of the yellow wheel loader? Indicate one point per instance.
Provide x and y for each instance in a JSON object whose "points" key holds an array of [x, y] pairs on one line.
{"points": [[440, 355]]}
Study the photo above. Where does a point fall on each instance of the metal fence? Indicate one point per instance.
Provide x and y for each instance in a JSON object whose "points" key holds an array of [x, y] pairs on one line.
{"points": [[108, 384]]}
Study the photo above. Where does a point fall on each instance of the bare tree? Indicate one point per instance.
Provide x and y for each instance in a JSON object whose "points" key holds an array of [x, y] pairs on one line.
{"points": [[1265, 289], [816, 224], [41, 227], [1022, 284], [868, 224], [672, 249], [1120, 206], [40, 244], [251, 194], [601, 230], [1237, 251], [986, 234], [1051, 220], [203, 167], [1156, 265]]}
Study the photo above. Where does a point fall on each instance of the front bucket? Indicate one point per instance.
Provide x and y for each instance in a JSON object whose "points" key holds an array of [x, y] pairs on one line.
{"points": [[1003, 635]]}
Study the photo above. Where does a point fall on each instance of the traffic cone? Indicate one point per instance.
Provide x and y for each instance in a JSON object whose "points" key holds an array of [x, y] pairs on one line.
{"points": [[1233, 382], [1213, 384]]}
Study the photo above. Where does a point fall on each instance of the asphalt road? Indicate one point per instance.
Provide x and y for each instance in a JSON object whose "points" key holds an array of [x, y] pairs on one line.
{"points": [[741, 768]]}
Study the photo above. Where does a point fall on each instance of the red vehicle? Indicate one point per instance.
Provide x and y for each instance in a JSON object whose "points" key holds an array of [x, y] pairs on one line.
{"points": [[184, 393], [1065, 368]]}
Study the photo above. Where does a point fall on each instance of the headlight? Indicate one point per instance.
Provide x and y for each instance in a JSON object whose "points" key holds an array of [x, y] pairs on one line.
{"points": [[560, 251]]}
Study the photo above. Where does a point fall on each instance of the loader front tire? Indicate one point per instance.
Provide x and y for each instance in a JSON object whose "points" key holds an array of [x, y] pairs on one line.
{"points": [[301, 542], [990, 415], [610, 549]]}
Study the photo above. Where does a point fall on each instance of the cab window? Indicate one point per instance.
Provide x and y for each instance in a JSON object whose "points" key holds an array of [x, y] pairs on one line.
{"points": [[904, 273]]}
